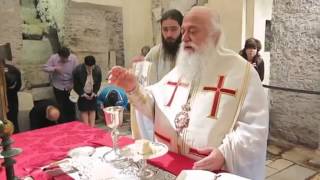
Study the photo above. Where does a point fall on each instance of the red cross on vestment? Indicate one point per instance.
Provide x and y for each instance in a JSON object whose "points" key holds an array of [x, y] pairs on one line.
{"points": [[176, 84], [219, 89]]}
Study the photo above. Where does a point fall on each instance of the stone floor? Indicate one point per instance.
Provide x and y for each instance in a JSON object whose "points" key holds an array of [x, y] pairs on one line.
{"points": [[298, 163]]}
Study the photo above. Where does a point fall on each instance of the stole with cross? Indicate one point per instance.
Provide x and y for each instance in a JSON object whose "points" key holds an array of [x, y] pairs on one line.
{"points": [[211, 104], [182, 119]]}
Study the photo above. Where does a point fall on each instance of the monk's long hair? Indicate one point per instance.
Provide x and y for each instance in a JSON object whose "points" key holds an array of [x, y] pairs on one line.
{"points": [[171, 49]]}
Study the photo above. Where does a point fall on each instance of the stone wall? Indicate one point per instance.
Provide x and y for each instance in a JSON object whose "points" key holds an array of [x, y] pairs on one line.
{"points": [[36, 47], [94, 30], [11, 26], [52, 12], [295, 63]]}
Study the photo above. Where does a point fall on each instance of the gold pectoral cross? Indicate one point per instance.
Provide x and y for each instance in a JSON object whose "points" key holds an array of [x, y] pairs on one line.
{"points": [[182, 119]]}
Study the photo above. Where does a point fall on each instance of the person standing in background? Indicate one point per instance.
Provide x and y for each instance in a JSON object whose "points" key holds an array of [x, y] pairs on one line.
{"points": [[158, 62], [140, 67], [60, 67], [140, 57], [87, 80], [251, 53], [163, 55], [13, 82]]}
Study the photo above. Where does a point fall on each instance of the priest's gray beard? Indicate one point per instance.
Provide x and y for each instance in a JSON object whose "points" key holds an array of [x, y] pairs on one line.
{"points": [[190, 65]]}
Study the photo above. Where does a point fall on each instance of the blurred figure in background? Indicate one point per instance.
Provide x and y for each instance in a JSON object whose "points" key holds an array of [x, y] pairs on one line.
{"points": [[13, 82], [87, 80], [159, 61], [112, 96], [251, 53], [140, 57], [44, 113], [141, 68], [60, 67], [163, 56]]}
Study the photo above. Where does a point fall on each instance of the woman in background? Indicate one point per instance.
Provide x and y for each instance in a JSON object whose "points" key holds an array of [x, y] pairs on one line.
{"points": [[87, 80], [251, 53]]}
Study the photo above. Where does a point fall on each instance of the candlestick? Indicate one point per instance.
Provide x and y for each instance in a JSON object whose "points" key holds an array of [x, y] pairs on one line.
{"points": [[6, 126]]}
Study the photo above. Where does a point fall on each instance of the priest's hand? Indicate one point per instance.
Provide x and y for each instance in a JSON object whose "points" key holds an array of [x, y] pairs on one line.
{"points": [[123, 78], [214, 161]]}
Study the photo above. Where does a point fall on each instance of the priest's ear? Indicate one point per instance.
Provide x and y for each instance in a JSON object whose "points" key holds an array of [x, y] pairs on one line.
{"points": [[216, 27], [216, 37]]}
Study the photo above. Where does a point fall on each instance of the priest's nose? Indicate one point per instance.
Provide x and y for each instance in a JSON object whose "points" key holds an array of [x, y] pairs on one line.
{"points": [[185, 37]]}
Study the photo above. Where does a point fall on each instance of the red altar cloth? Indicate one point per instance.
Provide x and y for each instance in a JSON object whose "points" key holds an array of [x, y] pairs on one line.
{"points": [[42, 146]]}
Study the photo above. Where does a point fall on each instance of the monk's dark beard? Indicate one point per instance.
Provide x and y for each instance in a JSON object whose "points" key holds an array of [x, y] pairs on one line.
{"points": [[171, 48]]}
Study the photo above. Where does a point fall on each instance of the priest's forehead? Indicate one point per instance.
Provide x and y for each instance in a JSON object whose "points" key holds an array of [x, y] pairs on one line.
{"points": [[200, 16]]}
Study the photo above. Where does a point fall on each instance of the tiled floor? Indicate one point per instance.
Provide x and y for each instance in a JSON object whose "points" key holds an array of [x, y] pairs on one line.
{"points": [[292, 164], [280, 165]]}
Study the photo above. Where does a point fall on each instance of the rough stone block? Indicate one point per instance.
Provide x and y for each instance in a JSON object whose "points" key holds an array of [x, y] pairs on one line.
{"points": [[36, 52], [32, 31], [25, 105], [105, 41], [299, 155], [270, 171], [280, 164], [293, 172], [295, 64], [35, 76], [10, 27], [29, 15], [27, 3], [268, 162], [315, 162], [42, 93], [274, 150], [316, 177]]}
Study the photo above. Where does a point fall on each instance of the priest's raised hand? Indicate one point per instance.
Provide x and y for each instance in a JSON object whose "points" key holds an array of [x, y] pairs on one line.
{"points": [[123, 78]]}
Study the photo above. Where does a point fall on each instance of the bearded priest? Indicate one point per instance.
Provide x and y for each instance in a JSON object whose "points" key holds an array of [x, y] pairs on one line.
{"points": [[211, 107]]}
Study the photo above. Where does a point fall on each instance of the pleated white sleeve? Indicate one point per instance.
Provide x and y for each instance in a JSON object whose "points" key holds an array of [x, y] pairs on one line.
{"points": [[244, 148], [143, 101]]}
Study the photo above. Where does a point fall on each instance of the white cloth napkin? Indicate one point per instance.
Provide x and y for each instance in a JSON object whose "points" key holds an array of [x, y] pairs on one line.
{"points": [[93, 167]]}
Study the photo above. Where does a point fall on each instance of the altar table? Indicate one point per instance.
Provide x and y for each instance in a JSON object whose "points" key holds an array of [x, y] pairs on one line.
{"points": [[43, 146]]}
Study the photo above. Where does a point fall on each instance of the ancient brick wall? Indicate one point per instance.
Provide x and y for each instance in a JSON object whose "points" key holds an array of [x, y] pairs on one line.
{"points": [[94, 30], [11, 26]]}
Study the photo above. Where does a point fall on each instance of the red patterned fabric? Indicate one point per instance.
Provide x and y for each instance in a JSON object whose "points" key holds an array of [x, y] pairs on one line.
{"points": [[172, 162], [219, 91], [42, 146]]}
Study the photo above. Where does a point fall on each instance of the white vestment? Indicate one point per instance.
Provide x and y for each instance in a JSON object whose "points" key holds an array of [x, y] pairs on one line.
{"points": [[142, 69], [139, 127], [229, 111], [150, 71], [161, 64]]}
